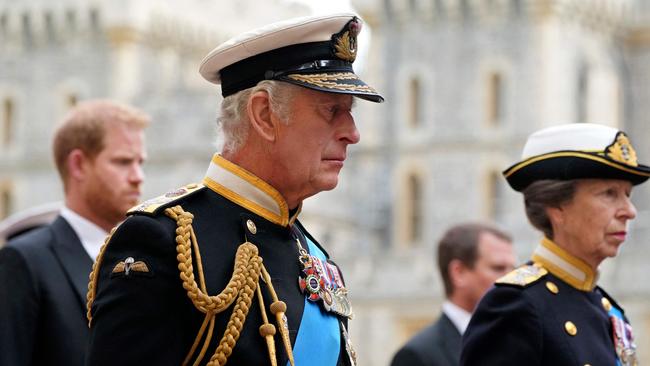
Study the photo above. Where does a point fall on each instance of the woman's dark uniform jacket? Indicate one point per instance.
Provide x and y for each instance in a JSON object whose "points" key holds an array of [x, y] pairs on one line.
{"points": [[548, 312], [146, 317]]}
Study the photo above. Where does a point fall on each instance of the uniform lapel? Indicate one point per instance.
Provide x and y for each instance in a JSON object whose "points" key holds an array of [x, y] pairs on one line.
{"points": [[73, 257]]}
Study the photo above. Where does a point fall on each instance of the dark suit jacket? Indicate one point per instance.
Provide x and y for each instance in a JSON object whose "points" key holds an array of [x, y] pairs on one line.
{"points": [[43, 284], [437, 345]]}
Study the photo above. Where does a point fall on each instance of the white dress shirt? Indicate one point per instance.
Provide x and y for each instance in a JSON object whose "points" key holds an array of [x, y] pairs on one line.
{"points": [[459, 316], [91, 236]]}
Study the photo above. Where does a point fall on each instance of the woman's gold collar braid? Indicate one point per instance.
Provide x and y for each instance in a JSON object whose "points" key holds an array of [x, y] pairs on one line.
{"points": [[241, 289], [564, 265]]}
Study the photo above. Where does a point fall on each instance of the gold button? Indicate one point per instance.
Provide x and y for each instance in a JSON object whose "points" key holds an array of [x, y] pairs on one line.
{"points": [[251, 226], [191, 186], [570, 328], [552, 287], [606, 304]]}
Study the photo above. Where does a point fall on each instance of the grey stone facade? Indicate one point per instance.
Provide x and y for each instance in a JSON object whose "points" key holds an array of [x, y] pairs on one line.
{"points": [[556, 61]]}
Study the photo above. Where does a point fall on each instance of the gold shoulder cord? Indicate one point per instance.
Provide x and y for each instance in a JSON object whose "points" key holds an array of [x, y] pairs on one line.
{"points": [[94, 275], [241, 288]]}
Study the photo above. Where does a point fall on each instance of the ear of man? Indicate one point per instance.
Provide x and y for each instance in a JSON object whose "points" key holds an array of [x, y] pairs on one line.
{"points": [[457, 273], [77, 164], [262, 119]]}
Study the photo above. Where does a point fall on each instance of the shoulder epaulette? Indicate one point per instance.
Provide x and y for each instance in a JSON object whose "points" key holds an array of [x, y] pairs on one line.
{"points": [[523, 276], [151, 206]]}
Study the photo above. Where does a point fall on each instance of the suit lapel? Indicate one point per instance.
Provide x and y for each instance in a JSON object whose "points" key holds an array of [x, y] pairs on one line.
{"points": [[73, 257], [451, 339]]}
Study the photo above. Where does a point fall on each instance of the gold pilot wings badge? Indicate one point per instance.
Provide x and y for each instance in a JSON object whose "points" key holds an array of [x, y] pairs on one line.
{"points": [[130, 265]]}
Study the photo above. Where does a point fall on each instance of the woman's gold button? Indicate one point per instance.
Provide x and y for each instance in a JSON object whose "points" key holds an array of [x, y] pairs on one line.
{"points": [[570, 328]]}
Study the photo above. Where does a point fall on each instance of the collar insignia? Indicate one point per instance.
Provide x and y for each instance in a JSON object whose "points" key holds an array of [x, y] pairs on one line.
{"points": [[622, 151], [345, 41]]}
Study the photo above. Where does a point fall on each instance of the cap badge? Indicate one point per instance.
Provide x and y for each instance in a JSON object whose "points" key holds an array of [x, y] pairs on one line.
{"points": [[622, 151], [345, 41]]}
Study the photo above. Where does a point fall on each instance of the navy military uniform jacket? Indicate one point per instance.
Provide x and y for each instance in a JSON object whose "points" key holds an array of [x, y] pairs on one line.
{"points": [[436, 345], [43, 282], [547, 313], [145, 317]]}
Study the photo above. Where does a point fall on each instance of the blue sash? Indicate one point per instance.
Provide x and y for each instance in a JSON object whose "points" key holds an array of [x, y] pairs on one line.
{"points": [[319, 340]]}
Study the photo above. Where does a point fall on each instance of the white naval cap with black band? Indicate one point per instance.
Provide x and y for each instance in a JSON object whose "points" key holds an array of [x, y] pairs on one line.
{"points": [[315, 52], [576, 151]]}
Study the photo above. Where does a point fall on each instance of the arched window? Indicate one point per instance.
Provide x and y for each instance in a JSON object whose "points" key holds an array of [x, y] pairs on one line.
{"points": [[50, 29], [5, 199], [582, 95], [414, 219], [414, 103], [71, 19], [8, 121], [94, 19], [495, 99], [28, 35], [71, 100], [4, 21], [413, 7], [493, 196]]}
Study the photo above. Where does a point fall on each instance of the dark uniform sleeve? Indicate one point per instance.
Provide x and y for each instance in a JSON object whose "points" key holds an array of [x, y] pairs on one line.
{"points": [[505, 330], [18, 309], [135, 316]]}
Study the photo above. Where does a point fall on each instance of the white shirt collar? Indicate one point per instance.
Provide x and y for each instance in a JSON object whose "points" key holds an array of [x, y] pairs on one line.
{"points": [[91, 236], [457, 315]]}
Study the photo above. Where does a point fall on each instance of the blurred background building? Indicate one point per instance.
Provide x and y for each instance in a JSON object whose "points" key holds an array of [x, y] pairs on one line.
{"points": [[465, 82]]}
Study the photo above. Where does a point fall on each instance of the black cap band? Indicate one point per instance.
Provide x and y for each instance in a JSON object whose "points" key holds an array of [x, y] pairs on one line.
{"points": [[250, 71]]}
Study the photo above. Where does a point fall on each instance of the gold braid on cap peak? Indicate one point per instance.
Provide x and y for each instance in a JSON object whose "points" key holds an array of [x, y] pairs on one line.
{"points": [[243, 285]]}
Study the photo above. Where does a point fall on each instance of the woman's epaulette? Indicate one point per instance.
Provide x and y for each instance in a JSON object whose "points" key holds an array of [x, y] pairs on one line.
{"points": [[523, 276]]}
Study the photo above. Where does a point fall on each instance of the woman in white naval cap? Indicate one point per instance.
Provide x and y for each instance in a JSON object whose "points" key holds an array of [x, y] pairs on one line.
{"points": [[576, 180]]}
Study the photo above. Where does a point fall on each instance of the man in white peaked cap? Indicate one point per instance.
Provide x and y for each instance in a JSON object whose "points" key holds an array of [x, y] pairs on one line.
{"points": [[223, 271]]}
